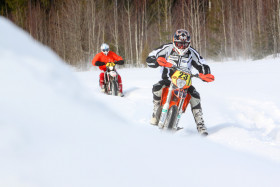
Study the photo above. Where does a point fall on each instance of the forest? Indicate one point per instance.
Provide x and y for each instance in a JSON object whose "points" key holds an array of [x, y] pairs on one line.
{"points": [[220, 29]]}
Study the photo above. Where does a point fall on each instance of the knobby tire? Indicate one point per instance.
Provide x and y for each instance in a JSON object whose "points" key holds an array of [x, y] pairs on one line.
{"points": [[171, 118], [114, 88]]}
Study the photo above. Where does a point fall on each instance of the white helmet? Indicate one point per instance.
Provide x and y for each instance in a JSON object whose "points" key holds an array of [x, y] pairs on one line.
{"points": [[105, 48]]}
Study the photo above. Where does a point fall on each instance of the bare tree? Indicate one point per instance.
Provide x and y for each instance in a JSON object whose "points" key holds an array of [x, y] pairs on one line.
{"points": [[219, 28], [116, 33], [128, 13]]}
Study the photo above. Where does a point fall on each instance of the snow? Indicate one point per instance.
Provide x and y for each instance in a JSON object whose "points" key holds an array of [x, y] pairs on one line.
{"points": [[57, 129]]}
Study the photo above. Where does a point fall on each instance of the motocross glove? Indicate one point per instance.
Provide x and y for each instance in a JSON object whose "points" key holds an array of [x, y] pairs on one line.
{"points": [[98, 63], [120, 62], [162, 62], [207, 77]]}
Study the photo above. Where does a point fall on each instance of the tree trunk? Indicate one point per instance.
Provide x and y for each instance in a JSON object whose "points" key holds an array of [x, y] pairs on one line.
{"points": [[128, 11], [136, 43], [224, 28], [116, 26]]}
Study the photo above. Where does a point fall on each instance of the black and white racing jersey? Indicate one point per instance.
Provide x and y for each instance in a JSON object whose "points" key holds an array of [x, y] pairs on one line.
{"points": [[189, 60]]}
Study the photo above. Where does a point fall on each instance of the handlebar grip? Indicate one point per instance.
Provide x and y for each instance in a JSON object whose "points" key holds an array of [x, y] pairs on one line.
{"points": [[195, 75]]}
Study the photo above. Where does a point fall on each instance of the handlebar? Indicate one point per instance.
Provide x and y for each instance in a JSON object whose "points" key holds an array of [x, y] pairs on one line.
{"points": [[110, 64], [195, 75], [185, 70], [205, 78]]}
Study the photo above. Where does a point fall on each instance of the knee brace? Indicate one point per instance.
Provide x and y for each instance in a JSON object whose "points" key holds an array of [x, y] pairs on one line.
{"points": [[195, 99], [157, 91]]}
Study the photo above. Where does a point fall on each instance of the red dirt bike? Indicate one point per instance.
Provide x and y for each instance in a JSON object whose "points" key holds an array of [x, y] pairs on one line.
{"points": [[175, 99]]}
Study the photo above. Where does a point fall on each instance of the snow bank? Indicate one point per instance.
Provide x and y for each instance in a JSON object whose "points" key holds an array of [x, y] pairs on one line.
{"points": [[56, 132]]}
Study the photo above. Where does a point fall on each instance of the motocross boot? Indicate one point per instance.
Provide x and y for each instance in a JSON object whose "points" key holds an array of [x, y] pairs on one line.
{"points": [[198, 117], [102, 82], [155, 116], [120, 94], [103, 89]]}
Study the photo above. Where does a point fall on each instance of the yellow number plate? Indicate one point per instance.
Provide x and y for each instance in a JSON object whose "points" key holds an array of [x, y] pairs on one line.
{"points": [[183, 76], [110, 64]]}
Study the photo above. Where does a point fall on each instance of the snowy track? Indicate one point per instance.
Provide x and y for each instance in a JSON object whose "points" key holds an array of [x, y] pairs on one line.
{"points": [[58, 130], [239, 111]]}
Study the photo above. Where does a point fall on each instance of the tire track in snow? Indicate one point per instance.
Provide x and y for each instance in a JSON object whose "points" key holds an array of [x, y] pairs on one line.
{"points": [[254, 126]]}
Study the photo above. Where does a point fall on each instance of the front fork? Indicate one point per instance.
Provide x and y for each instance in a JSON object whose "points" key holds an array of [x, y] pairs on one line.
{"points": [[165, 107], [107, 80], [180, 111]]}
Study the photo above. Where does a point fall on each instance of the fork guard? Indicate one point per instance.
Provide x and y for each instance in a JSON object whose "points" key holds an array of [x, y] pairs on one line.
{"points": [[174, 100]]}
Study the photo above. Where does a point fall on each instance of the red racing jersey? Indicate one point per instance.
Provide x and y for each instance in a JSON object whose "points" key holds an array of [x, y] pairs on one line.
{"points": [[101, 57]]}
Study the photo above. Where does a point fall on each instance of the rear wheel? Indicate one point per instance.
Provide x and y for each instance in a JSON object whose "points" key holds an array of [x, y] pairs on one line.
{"points": [[171, 118]]}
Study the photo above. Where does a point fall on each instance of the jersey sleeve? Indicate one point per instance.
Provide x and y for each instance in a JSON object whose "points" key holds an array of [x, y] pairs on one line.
{"points": [[199, 63], [116, 57], [96, 59], [161, 51]]}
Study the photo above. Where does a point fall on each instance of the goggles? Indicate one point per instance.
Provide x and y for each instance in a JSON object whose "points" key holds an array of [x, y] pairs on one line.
{"points": [[105, 50], [182, 45]]}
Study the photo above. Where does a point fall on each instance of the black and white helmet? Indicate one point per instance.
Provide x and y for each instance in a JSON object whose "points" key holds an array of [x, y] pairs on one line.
{"points": [[181, 41], [105, 48]]}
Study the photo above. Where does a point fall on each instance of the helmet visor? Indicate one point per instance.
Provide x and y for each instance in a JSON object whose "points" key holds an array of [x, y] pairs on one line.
{"points": [[182, 45]]}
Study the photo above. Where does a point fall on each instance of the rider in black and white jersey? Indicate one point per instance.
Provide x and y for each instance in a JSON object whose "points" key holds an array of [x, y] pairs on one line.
{"points": [[181, 54]]}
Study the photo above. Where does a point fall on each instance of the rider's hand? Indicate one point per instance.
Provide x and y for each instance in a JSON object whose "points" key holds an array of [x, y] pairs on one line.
{"points": [[207, 77], [162, 62], [98, 63], [120, 62]]}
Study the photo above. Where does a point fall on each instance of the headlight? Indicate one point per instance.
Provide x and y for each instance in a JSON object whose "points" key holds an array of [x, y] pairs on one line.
{"points": [[181, 83], [113, 73]]}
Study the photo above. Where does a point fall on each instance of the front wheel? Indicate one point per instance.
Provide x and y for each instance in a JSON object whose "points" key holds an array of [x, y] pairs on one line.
{"points": [[171, 118], [114, 88]]}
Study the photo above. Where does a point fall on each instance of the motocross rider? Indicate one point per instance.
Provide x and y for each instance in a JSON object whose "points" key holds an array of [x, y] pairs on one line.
{"points": [[181, 54], [101, 59]]}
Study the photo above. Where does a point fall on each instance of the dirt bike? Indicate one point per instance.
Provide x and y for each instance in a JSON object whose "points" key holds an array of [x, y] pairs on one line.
{"points": [[111, 79], [175, 98]]}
